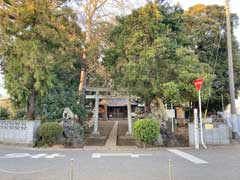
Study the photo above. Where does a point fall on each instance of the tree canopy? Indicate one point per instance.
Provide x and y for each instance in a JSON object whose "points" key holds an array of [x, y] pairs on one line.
{"points": [[151, 55], [207, 30], [36, 37]]}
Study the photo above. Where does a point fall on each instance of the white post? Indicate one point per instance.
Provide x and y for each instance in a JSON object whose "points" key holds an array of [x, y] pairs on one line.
{"points": [[200, 117], [129, 117], [196, 129], [95, 130], [172, 119]]}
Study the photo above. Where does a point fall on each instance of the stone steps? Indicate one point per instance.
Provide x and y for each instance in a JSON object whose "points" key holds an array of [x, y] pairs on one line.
{"points": [[105, 128]]}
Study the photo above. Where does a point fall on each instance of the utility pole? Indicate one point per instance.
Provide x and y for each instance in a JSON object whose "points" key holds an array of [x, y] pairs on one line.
{"points": [[230, 71]]}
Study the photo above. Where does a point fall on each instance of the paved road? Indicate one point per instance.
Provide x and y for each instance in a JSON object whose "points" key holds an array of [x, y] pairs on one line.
{"points": [[216, 163]]}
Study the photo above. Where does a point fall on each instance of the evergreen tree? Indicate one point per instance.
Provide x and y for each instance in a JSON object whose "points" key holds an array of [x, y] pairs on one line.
{"points": [[36, 37], [151, 55], [207, 30]]}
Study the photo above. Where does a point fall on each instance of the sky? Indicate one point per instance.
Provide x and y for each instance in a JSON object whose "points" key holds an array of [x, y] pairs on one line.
{"points": [[234, 7]]}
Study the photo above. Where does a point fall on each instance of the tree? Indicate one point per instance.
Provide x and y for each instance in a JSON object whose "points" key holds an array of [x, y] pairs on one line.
{"points": [[94, 17], [36, 37], [151, 56], [64, 93], [207, 31]]}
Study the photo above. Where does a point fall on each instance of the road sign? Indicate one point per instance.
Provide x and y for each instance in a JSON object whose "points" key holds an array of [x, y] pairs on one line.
{"points": [[198, 83]]}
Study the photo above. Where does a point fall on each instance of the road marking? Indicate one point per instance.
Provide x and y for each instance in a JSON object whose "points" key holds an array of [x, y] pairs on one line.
{"points": [[17, 155], [99, 155], [187, 156], [32, 156], [38, 156], [54, 155], [28, 172]]}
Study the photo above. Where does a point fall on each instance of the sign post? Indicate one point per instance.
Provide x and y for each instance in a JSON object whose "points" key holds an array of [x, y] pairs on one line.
{"points": [[198, 84]]}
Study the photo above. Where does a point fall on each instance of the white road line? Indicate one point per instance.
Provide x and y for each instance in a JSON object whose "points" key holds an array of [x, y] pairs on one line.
{"points": [[99, 155], [38, 156], [54, 155], [187, 156], [34, 156]]}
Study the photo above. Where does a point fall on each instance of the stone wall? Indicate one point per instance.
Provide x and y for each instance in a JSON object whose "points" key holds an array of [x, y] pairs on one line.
{"points": [[216, 135], [18, 131]]}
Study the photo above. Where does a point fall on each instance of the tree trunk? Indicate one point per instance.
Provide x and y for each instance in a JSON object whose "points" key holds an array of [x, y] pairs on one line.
{"points": [[31, 106], [82, 81]]}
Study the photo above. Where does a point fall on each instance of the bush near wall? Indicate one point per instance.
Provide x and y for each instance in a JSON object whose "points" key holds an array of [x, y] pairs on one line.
{"points": [[146, 130], [4, 113], [48, 133]]}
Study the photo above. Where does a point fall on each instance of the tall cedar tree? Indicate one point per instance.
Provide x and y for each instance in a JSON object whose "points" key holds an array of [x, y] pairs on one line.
{"points": [[35, 38]]}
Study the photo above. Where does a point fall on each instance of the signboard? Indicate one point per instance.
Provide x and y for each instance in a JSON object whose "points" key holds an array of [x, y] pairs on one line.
{"points": [[180, 113], [198, 83], [171, 113]]}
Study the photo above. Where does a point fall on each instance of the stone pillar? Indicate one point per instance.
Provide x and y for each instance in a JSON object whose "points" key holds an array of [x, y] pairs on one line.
{"points": [[129, 117], [105, 112], [95, 130]]}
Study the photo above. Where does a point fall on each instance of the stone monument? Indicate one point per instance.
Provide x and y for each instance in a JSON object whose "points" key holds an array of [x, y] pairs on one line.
{"points": [[72, 130], [158, 110]]}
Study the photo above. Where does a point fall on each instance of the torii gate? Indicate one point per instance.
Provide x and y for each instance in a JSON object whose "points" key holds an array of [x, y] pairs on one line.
{"points": [[97, 96]]}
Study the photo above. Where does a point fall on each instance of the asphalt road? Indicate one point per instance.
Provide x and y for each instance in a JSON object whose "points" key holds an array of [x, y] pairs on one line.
{"points": [[215, 163]]}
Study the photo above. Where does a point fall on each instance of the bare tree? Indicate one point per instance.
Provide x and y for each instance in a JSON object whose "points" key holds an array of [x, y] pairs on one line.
{"points": [[95, 17]]}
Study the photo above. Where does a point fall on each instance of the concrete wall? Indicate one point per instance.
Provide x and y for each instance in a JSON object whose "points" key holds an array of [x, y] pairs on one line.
{"points": [[18, 131], [217, 135]]}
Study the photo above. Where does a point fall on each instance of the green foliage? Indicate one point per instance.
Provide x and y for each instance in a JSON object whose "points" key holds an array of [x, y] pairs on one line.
{"points": [[150, 55], [206, 28], [186, 69], [4, 113], [19, 114], [146, 130], [51, 106], [48, 133], [36, 37], [63, 94]]}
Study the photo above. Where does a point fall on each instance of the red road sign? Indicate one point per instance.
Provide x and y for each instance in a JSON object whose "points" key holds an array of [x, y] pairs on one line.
{"points": [[198, 83]]}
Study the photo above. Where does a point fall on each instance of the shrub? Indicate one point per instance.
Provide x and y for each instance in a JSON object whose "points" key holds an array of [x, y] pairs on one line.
{"points": [[4, 113], [48, 133], [146, 130]]}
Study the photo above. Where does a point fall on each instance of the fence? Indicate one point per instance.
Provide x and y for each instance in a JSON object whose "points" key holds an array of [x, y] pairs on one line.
{"points": [[216, 134]]}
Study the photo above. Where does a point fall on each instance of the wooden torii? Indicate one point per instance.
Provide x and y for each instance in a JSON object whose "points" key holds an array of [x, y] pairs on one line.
{"points": [[98, 96]]}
